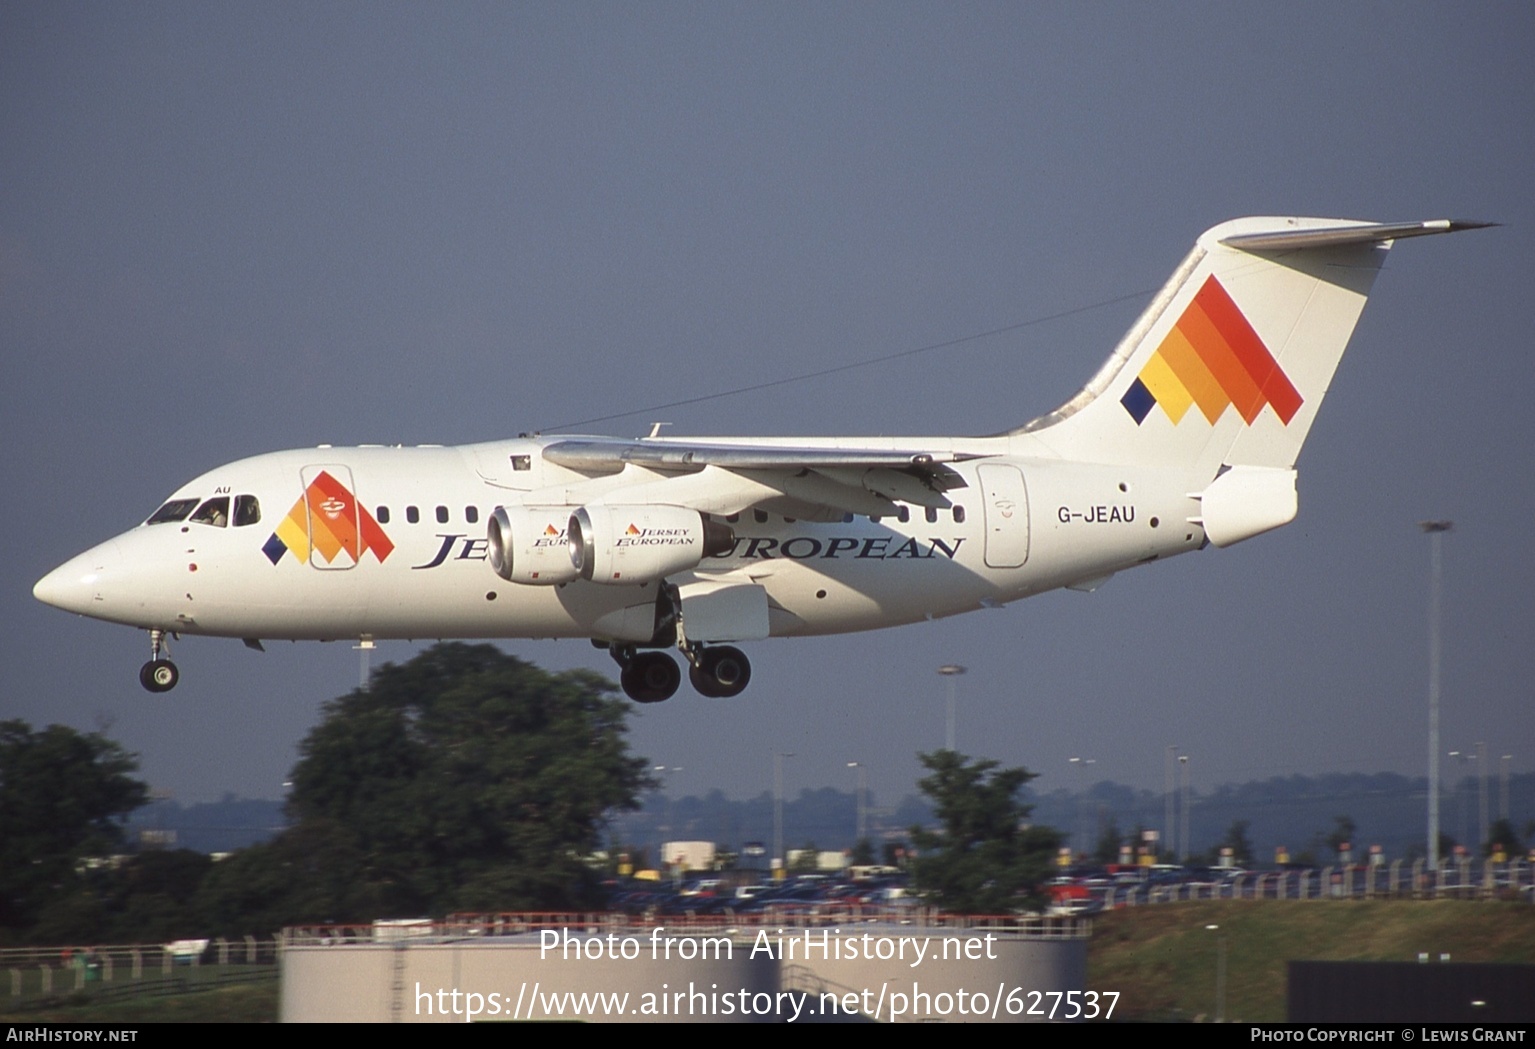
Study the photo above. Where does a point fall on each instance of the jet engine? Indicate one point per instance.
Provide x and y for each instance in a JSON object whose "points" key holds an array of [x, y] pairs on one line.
{"points": [[624, 545], [527, 544]]}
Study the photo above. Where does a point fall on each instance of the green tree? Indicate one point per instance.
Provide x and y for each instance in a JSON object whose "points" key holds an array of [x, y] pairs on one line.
{"points": [[863, 853], [63, 795], [986, 859], [465, 779], [1109, 839], [1502, 833], [1342, 834], [1236, 840]]}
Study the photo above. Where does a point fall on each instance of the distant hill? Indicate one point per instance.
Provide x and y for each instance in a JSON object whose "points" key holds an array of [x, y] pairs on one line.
{"points": [[209, 826]]}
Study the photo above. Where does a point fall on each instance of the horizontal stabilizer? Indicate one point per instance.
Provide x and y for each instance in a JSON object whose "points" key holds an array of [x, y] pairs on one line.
{"points": [[1369, 233]]}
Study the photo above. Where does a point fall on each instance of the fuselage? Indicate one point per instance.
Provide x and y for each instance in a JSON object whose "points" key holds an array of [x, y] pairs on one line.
{"points": [[214, 560], [1189, 433]]}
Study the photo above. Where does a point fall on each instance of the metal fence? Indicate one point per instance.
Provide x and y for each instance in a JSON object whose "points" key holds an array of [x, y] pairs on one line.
{"points": [[470, 926], [37, 976], [1396, 880]]}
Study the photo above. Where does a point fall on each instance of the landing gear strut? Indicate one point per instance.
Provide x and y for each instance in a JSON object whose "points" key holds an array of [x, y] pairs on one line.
{"points": [[159, 674]]}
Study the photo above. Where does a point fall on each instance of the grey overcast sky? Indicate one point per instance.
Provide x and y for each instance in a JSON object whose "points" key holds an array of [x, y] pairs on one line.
{"points": [[232, 228]]}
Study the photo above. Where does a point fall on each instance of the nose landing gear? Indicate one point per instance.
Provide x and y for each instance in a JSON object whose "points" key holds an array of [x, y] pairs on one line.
{"points": [[159, 674]]}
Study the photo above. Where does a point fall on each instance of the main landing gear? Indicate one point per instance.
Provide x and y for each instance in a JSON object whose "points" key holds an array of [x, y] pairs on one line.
{"points": [[720, 673], [651, 677], [159, 674]]}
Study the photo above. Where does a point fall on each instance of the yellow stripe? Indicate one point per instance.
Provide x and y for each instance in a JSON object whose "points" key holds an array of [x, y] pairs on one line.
{"points": [[1165, 387], [295, 538], [1185, 362]]}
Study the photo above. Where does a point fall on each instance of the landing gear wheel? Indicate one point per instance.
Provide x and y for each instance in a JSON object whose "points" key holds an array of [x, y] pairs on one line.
{"points": [[650, 677], [159, 675], [721, 673]]}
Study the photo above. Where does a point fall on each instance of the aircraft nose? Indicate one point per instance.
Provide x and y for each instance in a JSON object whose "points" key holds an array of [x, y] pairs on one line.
{"points": [[75, 586]]}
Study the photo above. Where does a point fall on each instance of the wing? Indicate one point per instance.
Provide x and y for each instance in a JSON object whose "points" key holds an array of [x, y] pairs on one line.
{"points": [[804, 480]]}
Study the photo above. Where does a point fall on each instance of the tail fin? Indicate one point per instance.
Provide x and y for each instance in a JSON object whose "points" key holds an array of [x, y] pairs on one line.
{"points": [[1229, 364]]}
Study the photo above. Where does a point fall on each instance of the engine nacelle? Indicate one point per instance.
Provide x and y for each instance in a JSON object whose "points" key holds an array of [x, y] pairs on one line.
{"points": [[627, 545], [527, 544]]}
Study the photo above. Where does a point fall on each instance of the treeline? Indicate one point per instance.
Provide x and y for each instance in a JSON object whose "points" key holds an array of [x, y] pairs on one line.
{"points": [[465, 779]]}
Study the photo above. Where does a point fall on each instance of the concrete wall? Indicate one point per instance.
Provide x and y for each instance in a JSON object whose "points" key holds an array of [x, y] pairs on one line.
{"points": [[884, 972]]}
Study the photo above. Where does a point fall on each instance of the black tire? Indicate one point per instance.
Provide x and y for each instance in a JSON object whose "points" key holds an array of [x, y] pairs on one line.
{"points": [[703, 684], [159, 675], [651, 677], [722, 673]]}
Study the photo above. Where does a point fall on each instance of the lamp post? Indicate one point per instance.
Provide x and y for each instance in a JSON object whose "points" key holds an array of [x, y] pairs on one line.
{"points": [[1084, 835], [950, 671], [666, 828], [1435, 531], [778, 856], [1169, 805], [1220, 975], [1183, 829], [1482, 829], [863, 803]]}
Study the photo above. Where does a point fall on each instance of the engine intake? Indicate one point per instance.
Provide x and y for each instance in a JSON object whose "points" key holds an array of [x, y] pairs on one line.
{"points": [[527, 544]]}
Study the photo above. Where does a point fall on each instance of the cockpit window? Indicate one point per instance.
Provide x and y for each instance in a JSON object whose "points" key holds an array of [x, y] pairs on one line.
{"points": [[247, 510], [175, 510], [213, 512]]}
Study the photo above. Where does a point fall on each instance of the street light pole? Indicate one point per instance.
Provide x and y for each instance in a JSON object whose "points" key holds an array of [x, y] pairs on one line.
{"points": [[1183, 852], [863, 804], [1503, 776], [1084, 832], [950, 671], [1169, 804], [1481, 795], [1435, 531], [778, 855]]}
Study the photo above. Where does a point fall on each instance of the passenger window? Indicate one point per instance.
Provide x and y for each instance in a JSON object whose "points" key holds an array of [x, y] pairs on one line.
{"points": [[442, 515], [175, 510], [733, 518], [247, 510], [904, 515], [471, 514], [847, 518], [875, 518], [214, 512], [381, 515], [412, 514], [760, 516], [959, 514], [932, 515]]}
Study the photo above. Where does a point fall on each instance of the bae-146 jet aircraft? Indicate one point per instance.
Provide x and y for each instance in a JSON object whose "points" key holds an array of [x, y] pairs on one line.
{"points": [[1186, 437]]}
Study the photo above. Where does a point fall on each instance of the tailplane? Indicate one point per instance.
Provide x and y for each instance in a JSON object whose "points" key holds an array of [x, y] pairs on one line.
{"points": [[1229, 364]]}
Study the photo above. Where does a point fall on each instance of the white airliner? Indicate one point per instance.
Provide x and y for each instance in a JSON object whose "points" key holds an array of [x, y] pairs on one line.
{"points": [[1186, 437]]}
